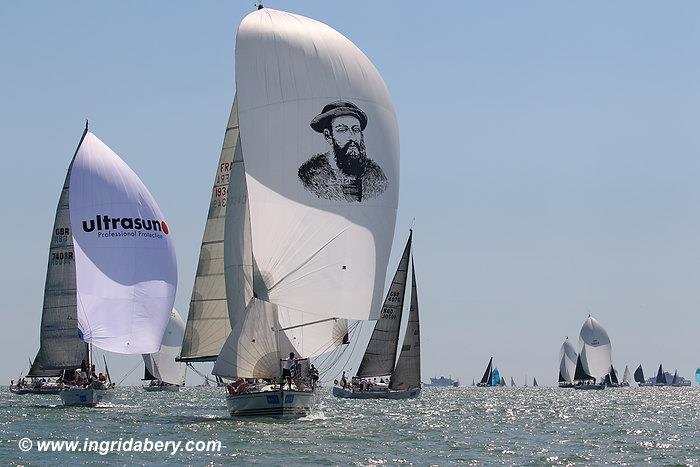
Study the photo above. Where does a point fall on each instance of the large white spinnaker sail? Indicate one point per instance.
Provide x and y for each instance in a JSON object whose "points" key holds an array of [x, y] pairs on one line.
{"points": [[321, 194], [60, 345], [126, 272], [597, 358], [162, 365], [567, 362], [208, 323]]}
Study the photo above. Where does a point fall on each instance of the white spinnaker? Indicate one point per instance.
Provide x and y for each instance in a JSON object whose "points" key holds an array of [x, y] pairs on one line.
{"points": [[598, 355], [126, 271], [162, 364], [321, 256], [567, 360]]}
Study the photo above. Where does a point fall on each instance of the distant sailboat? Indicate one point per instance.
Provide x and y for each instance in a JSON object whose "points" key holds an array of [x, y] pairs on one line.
{"points": [[473, 383], [160, 368], [567, 364], [697, 375], [512, 382], [595, 357], [486, 380], [534, 382], [660, 377], [639, 377], [626, 377], [495, 377]]}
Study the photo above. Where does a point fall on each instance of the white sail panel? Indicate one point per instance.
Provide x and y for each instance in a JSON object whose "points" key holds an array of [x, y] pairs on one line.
{"points": [[313, 339], [407, 372], [320, 141], [598, 350], [208, 323], [126, 272], [253, 349], [162, 364]]}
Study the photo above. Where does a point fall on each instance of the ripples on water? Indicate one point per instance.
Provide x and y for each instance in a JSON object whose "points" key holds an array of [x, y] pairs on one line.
{"points": [[445, 425]]}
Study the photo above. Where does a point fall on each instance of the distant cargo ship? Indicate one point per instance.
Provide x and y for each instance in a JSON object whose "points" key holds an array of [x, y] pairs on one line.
{"points": [[442, 381]]}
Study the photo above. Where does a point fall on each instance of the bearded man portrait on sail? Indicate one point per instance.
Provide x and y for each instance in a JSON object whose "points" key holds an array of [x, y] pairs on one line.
{"points": [[345, 173]]}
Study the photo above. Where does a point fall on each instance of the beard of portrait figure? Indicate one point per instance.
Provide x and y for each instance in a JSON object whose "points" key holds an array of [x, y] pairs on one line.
{"points": [[351, 157]]}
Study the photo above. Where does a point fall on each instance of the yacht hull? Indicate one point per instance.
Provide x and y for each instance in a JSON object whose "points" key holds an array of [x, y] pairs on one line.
{"points": [[283, 404], [88, 397], [384, 394], [23, 391]]}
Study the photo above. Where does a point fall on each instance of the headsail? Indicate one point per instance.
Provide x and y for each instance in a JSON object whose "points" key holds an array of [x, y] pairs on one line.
{"points": [[380, 356], [598, 350], [162, 364], [60, 345], [495, 377], [208, 323], [126, 271], [580, 373], [639, 375], [407, 372]]}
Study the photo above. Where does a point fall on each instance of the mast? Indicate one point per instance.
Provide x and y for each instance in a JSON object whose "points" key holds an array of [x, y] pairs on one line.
{"points": [[380, 356]]}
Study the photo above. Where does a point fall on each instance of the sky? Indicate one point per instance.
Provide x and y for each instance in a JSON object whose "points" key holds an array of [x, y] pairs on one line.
{"points": [[549, 156]]}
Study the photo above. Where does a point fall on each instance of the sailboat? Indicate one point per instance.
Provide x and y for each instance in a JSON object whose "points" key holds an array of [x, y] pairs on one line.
{"points": [[626, 377], [160, 368], [639, 377], [534, 382], [567, 364], [473, 383], [595, 357], [115, 282], [660, 377], [308, 232], [512, 382], [380, 355], [487, 379], [697, 375]]}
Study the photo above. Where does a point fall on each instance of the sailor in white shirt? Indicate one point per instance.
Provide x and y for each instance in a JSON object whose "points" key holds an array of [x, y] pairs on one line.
{"points": [[289, 363]]}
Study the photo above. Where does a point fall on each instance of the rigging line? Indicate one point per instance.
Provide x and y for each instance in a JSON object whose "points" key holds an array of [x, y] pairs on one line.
{"points": [[127, 375], [351, 328], [350, 356]]}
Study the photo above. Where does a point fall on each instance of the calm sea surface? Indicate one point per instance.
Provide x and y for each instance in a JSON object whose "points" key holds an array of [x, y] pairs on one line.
{"points": [[450, 425]]}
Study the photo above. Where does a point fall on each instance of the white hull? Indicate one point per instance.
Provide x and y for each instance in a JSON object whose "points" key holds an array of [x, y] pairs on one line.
{"points": [[384, 394], [277, 404], [161, 388], [86, 396]]}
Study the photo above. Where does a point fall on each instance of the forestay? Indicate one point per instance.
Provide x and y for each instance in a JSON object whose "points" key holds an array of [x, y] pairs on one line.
{"points": [[407, 372], [60, 345], [126, 273], [162, 364], [380, 356], [208, 323]]}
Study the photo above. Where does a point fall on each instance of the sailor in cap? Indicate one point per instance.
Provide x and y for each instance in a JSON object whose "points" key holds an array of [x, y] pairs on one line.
{"points": [[345, 173]]}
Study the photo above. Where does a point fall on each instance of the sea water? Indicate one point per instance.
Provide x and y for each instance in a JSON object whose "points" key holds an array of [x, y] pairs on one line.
{"points": [[445, 425]]}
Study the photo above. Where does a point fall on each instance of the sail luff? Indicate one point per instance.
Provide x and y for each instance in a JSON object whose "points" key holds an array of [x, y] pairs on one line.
{"points": [[380, 356], [60, 345], [406, 375], [208, 323]]}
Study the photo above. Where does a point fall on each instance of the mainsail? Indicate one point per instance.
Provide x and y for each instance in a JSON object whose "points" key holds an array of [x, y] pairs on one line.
{"points": [[407, 372], [580, 373], [594, 340], [613, 376], [60, 345], [380, 356], [639, 375], [162, 365], [126, 271], [660, 377], [567, 362], [486, 379], [208, 323], [317, 202]]}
